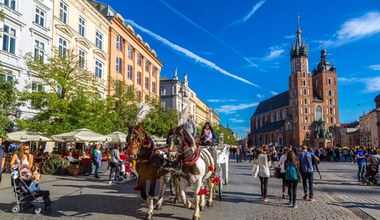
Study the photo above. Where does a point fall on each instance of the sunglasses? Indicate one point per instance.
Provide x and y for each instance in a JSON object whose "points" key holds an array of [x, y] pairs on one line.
{"points": [[26, 148]]}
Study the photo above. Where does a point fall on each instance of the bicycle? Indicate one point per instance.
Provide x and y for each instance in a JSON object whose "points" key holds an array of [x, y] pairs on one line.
{"points": [[46, 166]]}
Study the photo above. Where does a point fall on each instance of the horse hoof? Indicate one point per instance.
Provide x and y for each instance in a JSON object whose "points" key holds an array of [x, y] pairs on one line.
{"points": [[196, 218], [202, 208], [210, 204], [158, 207], [148, 217], [175, 201]]}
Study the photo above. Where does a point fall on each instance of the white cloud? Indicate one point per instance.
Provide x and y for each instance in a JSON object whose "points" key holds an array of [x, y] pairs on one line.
{"points": [[260, 96], [273, 53], [250, 14], [290, 36], [359, 28], [221, 100], [274, 93], [347, 81], [229, 109], [237, 120], [207, 32], [189, 54], [372, 84], [375, 67]]}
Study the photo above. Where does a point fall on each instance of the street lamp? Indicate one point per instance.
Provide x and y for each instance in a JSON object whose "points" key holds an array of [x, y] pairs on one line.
{"points": [[183, 93]]}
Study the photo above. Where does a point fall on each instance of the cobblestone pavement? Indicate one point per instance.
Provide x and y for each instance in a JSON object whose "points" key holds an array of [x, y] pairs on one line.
{"points": [[86, 198]]}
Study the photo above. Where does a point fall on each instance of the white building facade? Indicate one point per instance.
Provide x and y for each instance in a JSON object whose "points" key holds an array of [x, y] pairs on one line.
{"points": [[26, 28]]}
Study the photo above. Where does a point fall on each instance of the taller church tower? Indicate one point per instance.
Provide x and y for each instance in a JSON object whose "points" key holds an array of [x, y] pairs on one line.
{"points": [[300, 92]]}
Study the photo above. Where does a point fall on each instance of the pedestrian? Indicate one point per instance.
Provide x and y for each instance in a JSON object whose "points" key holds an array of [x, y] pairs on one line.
{"points": [[306, 166], [12, 147], [244, 153], [2, 158], [97, 160], [238, 154], [23, 157], [282, 166], [345, 154], [115, 163], [264, 173], [251, 154], [292, 177], [362, 162], [190, 126]]}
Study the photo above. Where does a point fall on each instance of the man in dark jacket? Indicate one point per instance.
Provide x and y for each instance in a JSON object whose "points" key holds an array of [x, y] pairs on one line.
{"points": [[306, 160]]}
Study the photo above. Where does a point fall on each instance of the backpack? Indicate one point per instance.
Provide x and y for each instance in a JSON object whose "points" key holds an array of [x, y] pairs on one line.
{"points": [[291, 173]]}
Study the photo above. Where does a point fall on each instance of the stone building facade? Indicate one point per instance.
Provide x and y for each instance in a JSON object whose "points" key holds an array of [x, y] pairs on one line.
{"points": [[306, 110], [370, 126]]}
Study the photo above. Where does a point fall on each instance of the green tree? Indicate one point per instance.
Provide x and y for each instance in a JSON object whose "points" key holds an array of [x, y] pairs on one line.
{"points": [[72, 100], [7, 102], [160, 120]]}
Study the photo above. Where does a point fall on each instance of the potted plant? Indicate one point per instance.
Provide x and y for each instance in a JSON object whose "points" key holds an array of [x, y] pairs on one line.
{"points": [[73, 170]]}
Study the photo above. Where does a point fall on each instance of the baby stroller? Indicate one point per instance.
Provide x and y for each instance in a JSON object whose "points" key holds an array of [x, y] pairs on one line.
{"points": [[27, 191], [370, 175]]}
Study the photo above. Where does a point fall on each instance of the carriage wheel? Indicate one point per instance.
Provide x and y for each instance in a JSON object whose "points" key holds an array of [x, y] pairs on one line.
{"points": [[37, 210]]}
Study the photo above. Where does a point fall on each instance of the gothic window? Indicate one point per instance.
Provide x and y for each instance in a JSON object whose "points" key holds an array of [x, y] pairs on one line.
{"points": [[304, 74], [332, 120], [330, 93], [304, 82], [331, 111], [306, 119], [305, 110], [329, 81], [305, 102], [304, 92], [331, 102], [318, 113]]}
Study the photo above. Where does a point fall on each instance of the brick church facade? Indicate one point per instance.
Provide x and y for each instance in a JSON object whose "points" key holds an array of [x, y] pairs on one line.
{"points": [[292, 117]]}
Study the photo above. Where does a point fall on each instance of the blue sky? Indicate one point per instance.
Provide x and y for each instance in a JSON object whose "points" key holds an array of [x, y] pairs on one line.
{"points": [[236, 53]]}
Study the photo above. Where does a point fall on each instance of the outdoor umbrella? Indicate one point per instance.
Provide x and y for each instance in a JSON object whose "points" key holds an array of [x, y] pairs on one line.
{"points": [[26, 136], [79, 136], [117, 137]]}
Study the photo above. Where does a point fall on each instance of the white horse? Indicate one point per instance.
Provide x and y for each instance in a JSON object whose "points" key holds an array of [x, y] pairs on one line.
{"points": [[198, 165]]}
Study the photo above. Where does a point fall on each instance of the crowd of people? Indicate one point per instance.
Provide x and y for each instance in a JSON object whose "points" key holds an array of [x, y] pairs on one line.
{"points": [[299, 164]]}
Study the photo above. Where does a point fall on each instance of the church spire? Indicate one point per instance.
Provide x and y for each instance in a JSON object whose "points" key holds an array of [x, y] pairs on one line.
{"points": [[300, 49], [299, 32]]}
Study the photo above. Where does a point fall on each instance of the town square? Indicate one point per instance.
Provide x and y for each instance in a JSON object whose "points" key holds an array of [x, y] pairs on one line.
{"points": [[164, 109]]}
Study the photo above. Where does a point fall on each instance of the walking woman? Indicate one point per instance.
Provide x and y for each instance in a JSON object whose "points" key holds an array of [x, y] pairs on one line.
{"points": [[97, 159], [264, 173], [283, 158], [293, 177]]}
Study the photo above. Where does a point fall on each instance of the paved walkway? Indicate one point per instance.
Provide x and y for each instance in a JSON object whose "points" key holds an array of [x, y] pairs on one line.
{"points": [[338, 197]]}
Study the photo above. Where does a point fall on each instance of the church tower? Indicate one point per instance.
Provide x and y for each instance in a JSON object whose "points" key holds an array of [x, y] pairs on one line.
{"points": [[326, 89], [300, 92]]}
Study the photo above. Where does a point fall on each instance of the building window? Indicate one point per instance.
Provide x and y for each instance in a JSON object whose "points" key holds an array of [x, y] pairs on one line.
{"points": [[283, 115], [330, 93], [331, 102], [147, 65], [139, 58], [154, 71], [130, 52], [163, 90], [306, 119], [9, 39], [63, 11], [304, 82], [62, 46], [82, 26], [304, 74], [139, 77], [305, 102], [39, 51], [146, 83], [163, 104], [82, 58], [129, 71], [36, 87], [40, 17], [10, 4], [332, 120], [329, 81], [154, 87], [278, 116], [119, 43], [119, 63], [99, 40], [98, 69], [305, 110], [304, 92], [5, 77]]}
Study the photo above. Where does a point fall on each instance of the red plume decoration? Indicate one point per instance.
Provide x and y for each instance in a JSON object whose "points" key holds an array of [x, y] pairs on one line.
{"points": [[202, 192], [211, 168], [216, 180]]}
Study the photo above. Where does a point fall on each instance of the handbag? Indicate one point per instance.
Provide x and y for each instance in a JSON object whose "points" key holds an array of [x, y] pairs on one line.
{"points": [[255, 169]]}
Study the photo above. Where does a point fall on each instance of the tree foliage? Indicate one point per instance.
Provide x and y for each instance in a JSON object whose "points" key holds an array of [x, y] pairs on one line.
{"points": [[7, 102]]}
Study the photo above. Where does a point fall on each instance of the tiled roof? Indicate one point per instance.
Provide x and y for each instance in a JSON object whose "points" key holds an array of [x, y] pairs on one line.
{"points": [[273, 103], [274, 126]]}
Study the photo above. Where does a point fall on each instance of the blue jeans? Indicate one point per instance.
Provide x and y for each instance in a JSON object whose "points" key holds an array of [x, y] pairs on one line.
{"points": [[308, 178], [96, 170], [362, 167]]}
